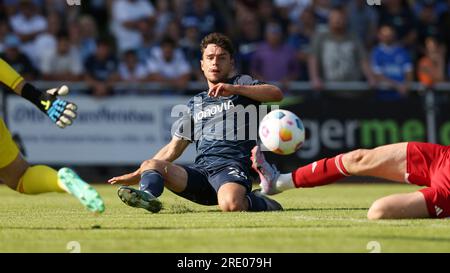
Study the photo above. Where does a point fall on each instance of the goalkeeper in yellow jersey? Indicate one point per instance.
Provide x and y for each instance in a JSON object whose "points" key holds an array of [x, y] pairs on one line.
{"points": [[16, 172]]}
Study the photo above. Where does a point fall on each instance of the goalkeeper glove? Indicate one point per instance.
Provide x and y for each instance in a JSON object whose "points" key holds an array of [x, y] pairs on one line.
{"points": [[59, 111]]}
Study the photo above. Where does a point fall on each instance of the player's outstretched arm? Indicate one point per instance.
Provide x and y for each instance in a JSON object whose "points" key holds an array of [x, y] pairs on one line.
{"points": [[61, 112], [173, 150]]}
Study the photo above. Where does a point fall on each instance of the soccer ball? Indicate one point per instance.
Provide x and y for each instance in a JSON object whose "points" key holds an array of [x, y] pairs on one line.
{"points": [[282, 132]]}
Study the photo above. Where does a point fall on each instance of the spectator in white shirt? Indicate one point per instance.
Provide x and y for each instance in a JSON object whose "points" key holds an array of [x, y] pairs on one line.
{"points": [[293, 8], [28, 24], [126, 16], [64, 64], [130, 69], [168, 65], [46, 43]]}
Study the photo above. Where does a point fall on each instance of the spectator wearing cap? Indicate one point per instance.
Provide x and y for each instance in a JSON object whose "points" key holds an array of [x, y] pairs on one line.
{"points": [[392, 66], [19, 61], [338, 56], [28, 23], [63, 64], [168, 66], [126, 18], [274, 60]]}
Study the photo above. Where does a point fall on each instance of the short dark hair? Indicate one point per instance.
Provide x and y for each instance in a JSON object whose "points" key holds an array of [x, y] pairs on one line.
{"points": [[218, 39], [62, 35], [104, 41], [166, 40]]}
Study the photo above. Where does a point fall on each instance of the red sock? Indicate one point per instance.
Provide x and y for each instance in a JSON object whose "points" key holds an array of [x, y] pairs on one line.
{"points": [[319, 173]]}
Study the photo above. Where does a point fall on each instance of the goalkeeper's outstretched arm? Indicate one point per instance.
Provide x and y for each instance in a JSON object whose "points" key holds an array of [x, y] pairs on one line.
{"points": [[61, 112]]}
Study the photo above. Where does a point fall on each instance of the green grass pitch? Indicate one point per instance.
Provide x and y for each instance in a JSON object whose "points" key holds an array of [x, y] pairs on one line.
{"points": [[326, 219]]}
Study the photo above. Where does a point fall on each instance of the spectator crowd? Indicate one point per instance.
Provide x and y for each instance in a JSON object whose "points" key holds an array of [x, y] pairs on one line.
{"points": [[104, 42]]}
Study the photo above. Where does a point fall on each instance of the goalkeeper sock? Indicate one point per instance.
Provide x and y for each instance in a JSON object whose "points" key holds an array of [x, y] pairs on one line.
{"points": [[319, 173], [39, 179], [152, 182], [256, 203]]}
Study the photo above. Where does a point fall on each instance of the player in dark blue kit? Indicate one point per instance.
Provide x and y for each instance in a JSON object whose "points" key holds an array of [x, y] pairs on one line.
{"points": [[222, 173]]}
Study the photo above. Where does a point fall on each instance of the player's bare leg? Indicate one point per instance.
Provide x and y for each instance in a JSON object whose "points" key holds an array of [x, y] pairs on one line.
{"points": [[399, 206], [155, 174], [233, 197], [388, 162]]}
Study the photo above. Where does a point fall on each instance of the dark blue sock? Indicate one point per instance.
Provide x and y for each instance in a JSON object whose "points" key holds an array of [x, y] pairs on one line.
{"points": [[152, 182], [256, 203]]}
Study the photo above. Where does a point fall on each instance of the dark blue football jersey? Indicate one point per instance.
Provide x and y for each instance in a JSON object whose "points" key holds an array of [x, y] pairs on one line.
{"points": [[224, 129]]}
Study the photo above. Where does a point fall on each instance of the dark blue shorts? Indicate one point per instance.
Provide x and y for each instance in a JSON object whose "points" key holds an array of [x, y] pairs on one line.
{"points": [[203, 184]]}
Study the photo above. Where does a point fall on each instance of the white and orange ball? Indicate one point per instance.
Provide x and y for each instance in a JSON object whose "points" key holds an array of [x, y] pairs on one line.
{"points": [[282, 132]]}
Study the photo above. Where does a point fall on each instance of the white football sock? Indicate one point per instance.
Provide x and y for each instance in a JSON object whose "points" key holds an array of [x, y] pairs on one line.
{"points": [[285, 182]]}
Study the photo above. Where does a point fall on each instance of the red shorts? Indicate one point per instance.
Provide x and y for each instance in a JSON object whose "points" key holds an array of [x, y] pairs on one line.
{"points": [[429, 165]]}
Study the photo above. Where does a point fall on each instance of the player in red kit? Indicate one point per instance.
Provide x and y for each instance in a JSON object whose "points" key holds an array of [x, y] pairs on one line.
{"points": [[422, 164]]}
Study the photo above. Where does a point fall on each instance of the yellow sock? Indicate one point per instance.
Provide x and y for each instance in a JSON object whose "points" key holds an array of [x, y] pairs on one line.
{"points": [[9, 76], [39, 179]]}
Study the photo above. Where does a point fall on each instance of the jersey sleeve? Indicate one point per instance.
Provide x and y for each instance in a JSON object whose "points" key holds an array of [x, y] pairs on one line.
{"points": [[183, 127], [247, 80], [9, 76]]}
